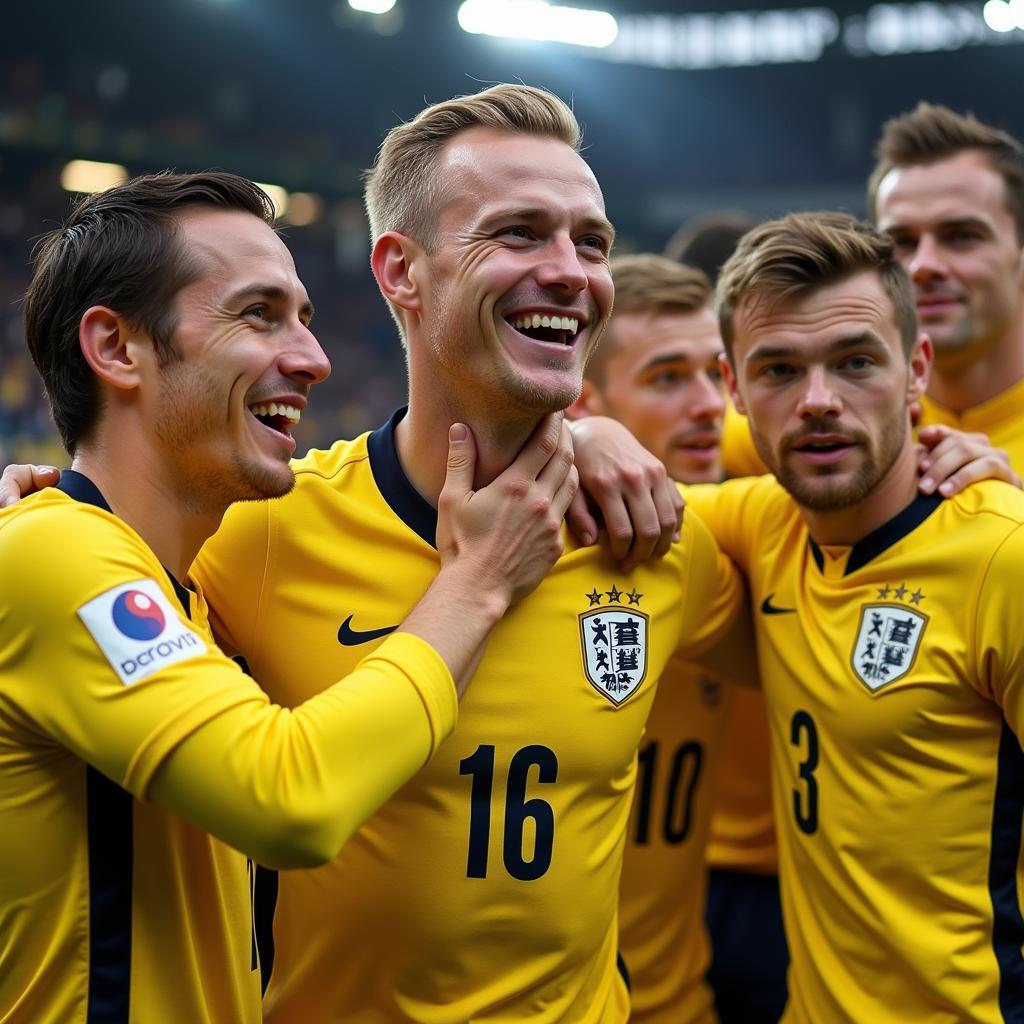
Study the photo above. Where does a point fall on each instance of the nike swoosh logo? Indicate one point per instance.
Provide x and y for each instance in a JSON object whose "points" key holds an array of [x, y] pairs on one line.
{"points": [[769, 609], [349, 637]]}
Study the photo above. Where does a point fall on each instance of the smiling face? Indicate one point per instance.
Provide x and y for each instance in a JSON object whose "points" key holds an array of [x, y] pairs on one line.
{"points": [[825, 384], [663, 381], [223, 410], [517, 290], [958, 242]]}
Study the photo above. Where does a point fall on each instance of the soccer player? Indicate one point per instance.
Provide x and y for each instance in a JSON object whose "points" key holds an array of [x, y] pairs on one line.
{"points": [[486, 889], [949, 190], [172, 335], [657, 372], [892, 664]]}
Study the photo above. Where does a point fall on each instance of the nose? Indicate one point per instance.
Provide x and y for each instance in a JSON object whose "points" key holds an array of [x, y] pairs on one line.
{"points": [[708, 398], [819, 397], [561, 268], [303, 360], [927, 263]]}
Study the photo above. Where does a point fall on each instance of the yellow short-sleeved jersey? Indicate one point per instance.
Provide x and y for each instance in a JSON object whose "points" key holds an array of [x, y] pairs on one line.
{"points": [[661, 906], [1002, 418], [894, 677], [742, 828], [111, 909], [486, 888]]}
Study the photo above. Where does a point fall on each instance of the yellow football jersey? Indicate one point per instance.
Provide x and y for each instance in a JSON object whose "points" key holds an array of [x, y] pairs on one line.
{"points": [[894, 676], [661, 906], [111, 908], [742, 826], [1002, 418], [486, 888]]}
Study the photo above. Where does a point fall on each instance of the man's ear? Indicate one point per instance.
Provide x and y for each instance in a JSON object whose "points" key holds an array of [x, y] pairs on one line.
{"points": [[919, 365], [393, 262], [110, 347], [590, 403], [730, 382]]}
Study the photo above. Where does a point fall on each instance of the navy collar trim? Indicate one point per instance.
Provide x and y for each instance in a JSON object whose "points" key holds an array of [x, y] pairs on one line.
{"points": [[871, 546], [405, 501], [78, 486]]}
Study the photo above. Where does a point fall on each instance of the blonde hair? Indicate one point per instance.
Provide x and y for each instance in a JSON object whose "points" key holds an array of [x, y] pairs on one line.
{"points": [[646, 283], [929, 133], [403, 189], [802, 252]]}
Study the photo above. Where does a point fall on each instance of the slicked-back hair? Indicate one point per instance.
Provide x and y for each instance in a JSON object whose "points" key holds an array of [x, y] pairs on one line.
{"points": [[119, 248], [930, 133], [797, 255], [403, 189], [647, 283]]}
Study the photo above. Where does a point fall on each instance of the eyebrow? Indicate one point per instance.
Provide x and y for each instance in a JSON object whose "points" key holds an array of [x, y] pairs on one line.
{"points": [[947, 222], [862, 339], [667, 360], [267, 291]]}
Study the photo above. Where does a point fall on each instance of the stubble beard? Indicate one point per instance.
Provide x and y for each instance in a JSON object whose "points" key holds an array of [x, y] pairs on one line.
{"points": [[827, 490], [192, 407]]}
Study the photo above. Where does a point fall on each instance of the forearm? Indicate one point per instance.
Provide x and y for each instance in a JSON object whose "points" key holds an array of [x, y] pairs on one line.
{"points": [[288, 788], [456, 616]]}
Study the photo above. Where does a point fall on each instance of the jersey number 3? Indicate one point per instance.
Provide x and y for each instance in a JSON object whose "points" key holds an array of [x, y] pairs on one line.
{"points": [[805, 800], [518, 811]]}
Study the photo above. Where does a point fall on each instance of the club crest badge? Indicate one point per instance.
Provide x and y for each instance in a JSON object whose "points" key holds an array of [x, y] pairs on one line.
{"points": [[888, 639], [614, 639]]}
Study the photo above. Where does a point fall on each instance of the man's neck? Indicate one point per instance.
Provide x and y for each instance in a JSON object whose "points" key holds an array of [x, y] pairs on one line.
{"points": [[421, 439], [961, 383], [845, 526], [139, 495]]}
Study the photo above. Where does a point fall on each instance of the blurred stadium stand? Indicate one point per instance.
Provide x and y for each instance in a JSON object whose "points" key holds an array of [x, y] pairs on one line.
{"points": [[300, 92]]}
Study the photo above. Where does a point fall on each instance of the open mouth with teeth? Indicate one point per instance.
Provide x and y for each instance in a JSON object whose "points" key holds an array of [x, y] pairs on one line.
{"points": [[560, 330], [277, 416]]}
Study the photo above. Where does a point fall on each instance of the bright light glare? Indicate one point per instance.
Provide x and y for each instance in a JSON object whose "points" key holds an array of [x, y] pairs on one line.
{"points": [[303, 208], [372, 6], [278, 196], [1017, 12], [537, 19], [91, 176], [998, 16]]}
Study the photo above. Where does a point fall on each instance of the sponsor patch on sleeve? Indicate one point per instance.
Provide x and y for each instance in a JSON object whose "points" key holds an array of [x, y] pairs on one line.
{"points": [[138, 630]]}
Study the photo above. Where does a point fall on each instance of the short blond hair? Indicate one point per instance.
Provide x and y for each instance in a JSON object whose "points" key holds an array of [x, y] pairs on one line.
{"points": [[403, 190], [646, 283], [930, 132], [801, 253]]}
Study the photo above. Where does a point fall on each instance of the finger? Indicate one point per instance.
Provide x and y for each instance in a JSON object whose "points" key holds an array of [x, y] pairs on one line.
{"points": [[988, 467], [617, 524], [646, 528], [566, 493], [931, 436], [540, 448], [458, 478], [581, 521], [554, 472], [19, 481], [668, 503]]}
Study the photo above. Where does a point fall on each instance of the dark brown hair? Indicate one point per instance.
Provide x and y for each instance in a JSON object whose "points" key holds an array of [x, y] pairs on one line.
{"points": [[119, 248]]}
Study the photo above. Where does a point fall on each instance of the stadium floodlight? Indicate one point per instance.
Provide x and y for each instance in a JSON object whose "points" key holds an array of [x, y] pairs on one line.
{"points": [[538, 20], [91, 176], [998, 16], [372, 6], [278, 196]]}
